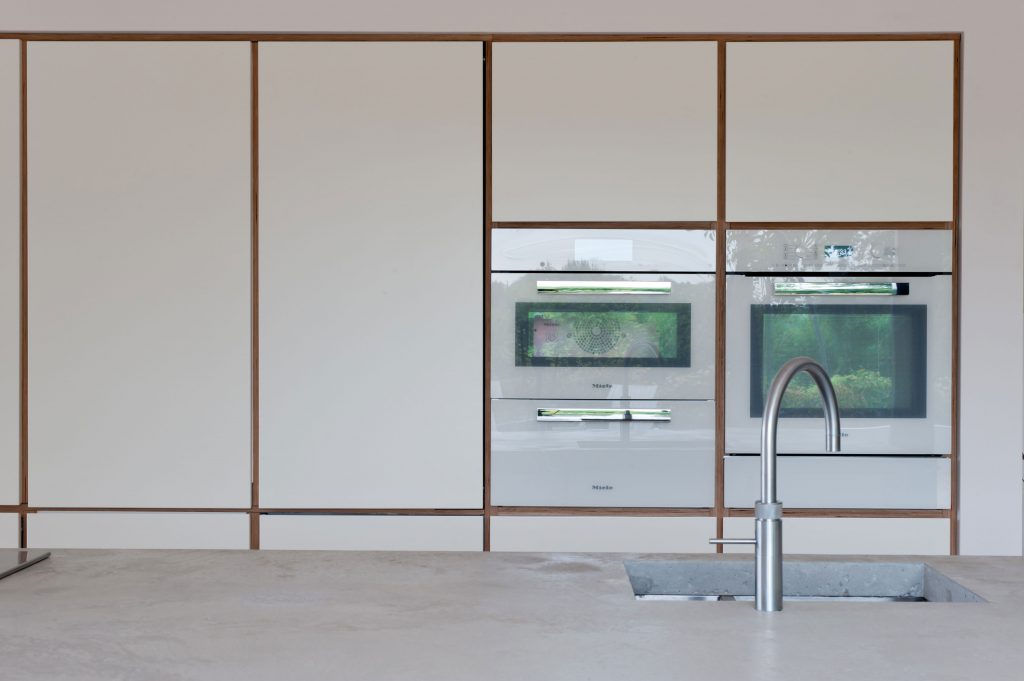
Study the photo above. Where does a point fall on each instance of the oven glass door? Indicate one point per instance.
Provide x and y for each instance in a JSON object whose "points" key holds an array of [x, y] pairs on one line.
{"points": [[589, 335], [886, 343], [875, 355], [553, 334]]}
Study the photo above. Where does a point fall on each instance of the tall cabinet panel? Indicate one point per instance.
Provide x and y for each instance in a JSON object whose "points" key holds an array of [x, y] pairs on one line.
{"points": [[371, 275], [839, 131], [605, 131], [10, 203], [139, 274]]}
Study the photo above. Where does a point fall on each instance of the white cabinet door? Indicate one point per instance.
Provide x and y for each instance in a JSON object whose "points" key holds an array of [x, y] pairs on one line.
{"points": [[863, 536], [371, 275], [10, 203], [139, 274], [604, 131], [839, 131], [372, 533], [88, 530], [9, 531], [597, 534]]}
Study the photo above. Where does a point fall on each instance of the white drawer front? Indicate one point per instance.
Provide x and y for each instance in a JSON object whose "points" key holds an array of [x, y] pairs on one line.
{"points": [[602, 463], [858, 536], [372, 533], [843, 481], [97, 530], [598, 534]]}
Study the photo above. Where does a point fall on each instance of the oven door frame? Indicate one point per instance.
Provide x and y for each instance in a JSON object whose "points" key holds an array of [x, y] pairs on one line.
{"points": [[929, 435]]}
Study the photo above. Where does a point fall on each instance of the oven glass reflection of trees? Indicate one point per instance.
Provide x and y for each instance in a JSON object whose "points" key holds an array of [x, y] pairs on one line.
{"points": [[875, 354], [603, 334]]}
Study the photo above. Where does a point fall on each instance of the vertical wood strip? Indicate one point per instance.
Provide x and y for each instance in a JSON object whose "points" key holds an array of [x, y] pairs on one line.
{"points": [[954, 492], [254, 517], [720, 232], [487, 193], [23, 302]]}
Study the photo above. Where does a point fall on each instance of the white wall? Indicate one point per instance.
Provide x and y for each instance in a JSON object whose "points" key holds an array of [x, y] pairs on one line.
{"points": [[993, 154]]}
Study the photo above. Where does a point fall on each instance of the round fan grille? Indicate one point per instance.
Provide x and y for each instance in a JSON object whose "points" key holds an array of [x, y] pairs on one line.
{"points": [[596, 335]]}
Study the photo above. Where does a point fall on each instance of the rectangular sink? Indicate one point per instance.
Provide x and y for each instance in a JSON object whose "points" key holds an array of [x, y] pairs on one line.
{"points": [[728, 580]]}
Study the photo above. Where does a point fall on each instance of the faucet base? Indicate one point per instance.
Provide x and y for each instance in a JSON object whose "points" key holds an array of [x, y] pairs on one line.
{"points": [[768, 564]]}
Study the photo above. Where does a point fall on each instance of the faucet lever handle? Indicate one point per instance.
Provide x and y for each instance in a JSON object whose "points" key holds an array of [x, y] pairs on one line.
{"points": [[722, 540]]}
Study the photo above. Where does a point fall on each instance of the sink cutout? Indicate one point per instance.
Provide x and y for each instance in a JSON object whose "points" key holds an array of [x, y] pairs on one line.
{"points": [[831, 581]]}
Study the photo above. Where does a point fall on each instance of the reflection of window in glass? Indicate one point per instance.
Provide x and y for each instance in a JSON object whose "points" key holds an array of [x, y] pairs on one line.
{"points": [[875, 355], [602, 334]]}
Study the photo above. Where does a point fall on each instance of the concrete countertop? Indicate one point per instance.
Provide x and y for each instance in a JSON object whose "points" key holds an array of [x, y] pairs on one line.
{"points": [[158, 615]]}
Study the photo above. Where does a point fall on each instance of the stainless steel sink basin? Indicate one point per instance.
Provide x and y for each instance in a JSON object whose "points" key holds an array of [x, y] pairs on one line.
{"points": [[728, 580]]}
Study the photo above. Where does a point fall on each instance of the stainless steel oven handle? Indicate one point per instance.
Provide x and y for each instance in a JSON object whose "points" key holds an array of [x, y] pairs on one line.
{"points": [[578, 415], [841, 288], [605, 287]]}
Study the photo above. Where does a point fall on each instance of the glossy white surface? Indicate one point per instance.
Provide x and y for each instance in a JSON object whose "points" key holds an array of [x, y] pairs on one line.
{"points": [[843, 481], [825, 250], [604, 463], [928, 435], [839, 130], [8, 530], [589, 250], [604, 131], [371, 266], [139, 274], [695, 381], [82, 529], [882, 536], [372, 533], [595, 533], [10, 286]]}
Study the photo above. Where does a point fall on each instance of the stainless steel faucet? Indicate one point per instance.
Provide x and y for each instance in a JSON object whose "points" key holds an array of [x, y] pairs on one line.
{"points": [[768, 511]]}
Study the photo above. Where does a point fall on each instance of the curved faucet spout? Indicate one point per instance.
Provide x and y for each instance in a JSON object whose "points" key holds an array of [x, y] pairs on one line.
{"points": [[770, 421]]}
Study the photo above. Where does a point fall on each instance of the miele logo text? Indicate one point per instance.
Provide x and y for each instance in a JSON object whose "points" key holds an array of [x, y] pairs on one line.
{"points": [[601, 487], [601, 385]]}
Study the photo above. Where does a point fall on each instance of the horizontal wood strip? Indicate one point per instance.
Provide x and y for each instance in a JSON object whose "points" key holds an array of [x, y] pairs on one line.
{"points": [[132, 509], [727, 37], [847, 513], [601, 511], [842, 225], [624, 224], [375, 511], [247, 37], [457, 36], [282, 511]]}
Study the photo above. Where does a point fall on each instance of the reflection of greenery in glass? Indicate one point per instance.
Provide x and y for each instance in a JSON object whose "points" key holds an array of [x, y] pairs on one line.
{"points": [[609, 334], [858, 350]]}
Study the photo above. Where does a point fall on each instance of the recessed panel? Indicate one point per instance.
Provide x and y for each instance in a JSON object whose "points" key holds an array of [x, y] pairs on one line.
{"points": [[371, 275], [139, 274], [10, 209], [372, 533], [839, 130], [604, 131]]}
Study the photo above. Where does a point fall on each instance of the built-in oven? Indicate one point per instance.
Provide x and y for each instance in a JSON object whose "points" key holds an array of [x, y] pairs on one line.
{"points": [[875, 308], [602, 367]]}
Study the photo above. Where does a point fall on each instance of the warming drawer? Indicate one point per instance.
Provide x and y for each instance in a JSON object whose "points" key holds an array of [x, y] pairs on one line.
{"points": [[843, 481], [602, 453]]}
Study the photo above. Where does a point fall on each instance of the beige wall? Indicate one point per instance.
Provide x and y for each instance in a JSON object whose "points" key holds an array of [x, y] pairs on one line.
{"points": [[993, 148]]}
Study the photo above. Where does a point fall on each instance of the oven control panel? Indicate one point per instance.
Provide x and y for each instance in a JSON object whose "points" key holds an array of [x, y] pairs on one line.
{"points": [[847, 250]]}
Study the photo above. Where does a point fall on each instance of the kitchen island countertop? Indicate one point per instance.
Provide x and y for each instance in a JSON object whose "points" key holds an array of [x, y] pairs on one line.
{"points": [[159, 615]]}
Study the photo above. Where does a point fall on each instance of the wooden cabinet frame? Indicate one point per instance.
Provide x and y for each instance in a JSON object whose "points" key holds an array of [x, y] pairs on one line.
{"points": [[719, 511]]}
